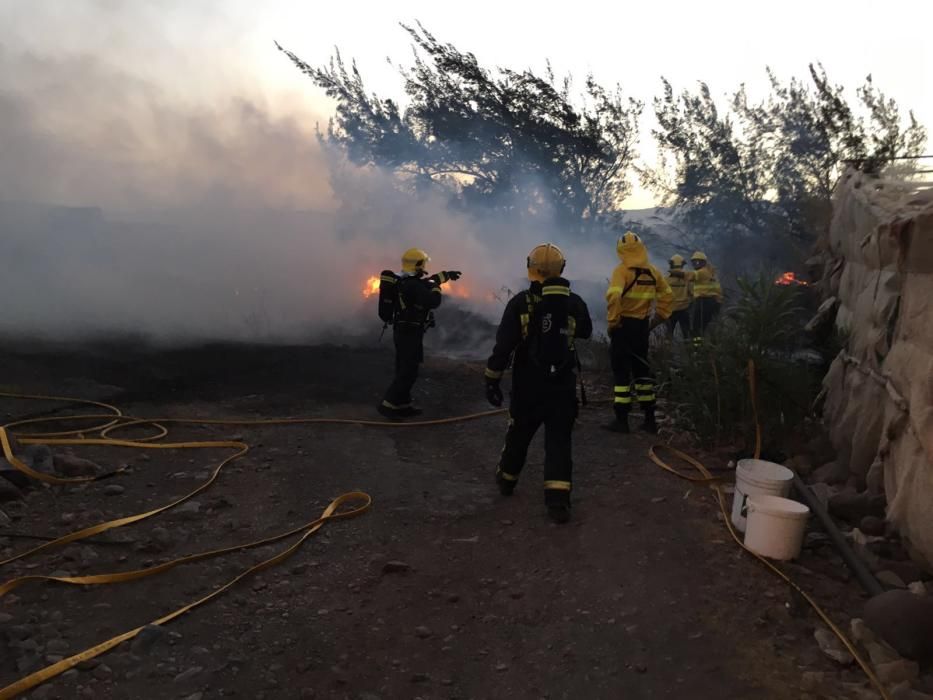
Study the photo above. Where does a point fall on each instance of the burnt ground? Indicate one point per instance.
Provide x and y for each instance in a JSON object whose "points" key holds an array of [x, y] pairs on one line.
{"points": [[642, 595]]}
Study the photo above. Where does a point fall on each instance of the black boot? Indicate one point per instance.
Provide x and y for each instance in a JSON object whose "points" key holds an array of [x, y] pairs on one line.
{"points": [[410, 412], [558, 505], [506, 486], [388, 411], [650, 425]]}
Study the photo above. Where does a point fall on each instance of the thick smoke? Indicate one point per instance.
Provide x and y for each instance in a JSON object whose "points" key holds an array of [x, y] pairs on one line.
{"points": [[127, 210]]}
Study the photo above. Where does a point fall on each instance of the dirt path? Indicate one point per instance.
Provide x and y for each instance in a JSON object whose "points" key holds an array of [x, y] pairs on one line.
{"points": [[640, 596]]}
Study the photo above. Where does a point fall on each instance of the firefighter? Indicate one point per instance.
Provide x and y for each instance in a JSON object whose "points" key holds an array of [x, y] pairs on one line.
{"points": [[707, 294], [537, 335], [416, 296], [636, 288], [681, 284]]}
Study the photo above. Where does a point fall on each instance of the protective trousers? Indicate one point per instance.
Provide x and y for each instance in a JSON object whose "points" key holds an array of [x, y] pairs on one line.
{"points": [[409, 353], [680, 318], [557, 412], [705, 309], [628, 353]]}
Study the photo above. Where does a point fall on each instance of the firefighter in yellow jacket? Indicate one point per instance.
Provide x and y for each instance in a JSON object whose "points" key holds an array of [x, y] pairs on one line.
{"points": [[636, 288], [681, 284], [707, 293]]}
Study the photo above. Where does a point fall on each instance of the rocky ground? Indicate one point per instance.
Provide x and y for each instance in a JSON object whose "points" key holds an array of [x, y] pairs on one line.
{"points": [[442, 590]]}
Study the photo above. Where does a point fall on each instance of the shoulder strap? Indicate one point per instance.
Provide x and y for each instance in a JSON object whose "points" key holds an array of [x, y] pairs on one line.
{"points": [[528, 313]]}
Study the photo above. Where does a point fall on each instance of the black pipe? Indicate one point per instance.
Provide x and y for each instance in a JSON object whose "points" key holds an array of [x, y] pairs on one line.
{"points": [[864, 576]]}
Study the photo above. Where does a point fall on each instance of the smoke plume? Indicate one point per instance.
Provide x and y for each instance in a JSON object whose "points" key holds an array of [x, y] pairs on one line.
{"points": [[126, 208]]}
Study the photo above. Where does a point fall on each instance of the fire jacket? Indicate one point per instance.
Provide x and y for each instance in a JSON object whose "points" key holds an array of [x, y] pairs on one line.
{"points": [[636, 286]]}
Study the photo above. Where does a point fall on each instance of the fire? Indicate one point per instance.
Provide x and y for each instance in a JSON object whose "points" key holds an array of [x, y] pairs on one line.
{"points": [[789, 278], [454, 289], [371, 287]]}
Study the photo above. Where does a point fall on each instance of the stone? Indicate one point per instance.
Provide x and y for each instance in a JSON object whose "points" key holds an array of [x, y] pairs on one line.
{"points": [[903, 620], [831, 646], [812, 681], [8, 492], [43, 692], [890, 580], [904, 691], [907, 571], [189, 509], [189, 674], [40, 458], [853, 507], [872, 525], [880, 652], [422, 632], [899, 671], [147, 638], [114, 489], [832, 473], [103, 672], [917, 588], [57, 646], [395, 567], [71, 466], [860, 631]]}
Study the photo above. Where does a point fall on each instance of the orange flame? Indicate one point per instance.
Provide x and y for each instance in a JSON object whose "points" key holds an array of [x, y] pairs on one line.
{"points": [[371, 287], [454, 289], [789, 278]]}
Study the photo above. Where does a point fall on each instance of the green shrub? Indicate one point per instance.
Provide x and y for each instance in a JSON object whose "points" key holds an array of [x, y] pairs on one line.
{"points": [[706, 386]]}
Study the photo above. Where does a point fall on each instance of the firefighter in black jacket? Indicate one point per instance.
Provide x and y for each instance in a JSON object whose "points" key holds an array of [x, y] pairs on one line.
{"points": [[537, 335], [417, 295]]}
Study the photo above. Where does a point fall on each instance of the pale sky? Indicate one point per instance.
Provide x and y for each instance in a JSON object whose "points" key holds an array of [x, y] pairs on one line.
{"points": [[199, 51]]}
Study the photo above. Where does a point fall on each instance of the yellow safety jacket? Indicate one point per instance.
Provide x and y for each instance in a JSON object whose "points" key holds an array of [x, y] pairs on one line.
{"points": [[681, 284], [636, 286], [706, 284]]}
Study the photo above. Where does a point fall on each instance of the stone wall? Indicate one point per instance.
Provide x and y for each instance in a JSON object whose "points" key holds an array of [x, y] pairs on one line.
{"points": [[877, 275]]}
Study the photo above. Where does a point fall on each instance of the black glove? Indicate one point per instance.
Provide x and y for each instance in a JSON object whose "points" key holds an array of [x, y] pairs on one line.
{"points": [[493, 392], [453, 274]]}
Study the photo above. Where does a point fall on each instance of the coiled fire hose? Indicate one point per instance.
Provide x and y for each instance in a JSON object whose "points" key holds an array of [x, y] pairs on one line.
{"points": [[347, 505]]}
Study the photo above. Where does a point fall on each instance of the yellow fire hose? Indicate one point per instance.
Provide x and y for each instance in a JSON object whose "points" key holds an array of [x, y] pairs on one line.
{"points": [[337, 509]]}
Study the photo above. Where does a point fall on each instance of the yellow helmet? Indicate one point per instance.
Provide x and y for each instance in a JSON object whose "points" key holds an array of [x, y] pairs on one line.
{"points": [[414, 261], [699, 256], [545, 261], [677, 262]]}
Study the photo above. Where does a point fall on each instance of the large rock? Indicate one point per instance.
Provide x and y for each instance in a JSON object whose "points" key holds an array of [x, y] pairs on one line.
{"points": [[853, 507], [903, 620], [71, 466]]}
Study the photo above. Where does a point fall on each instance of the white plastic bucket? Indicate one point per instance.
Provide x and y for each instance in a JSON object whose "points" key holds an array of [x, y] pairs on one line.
{"points": [[756, 476], [775, 526]]}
